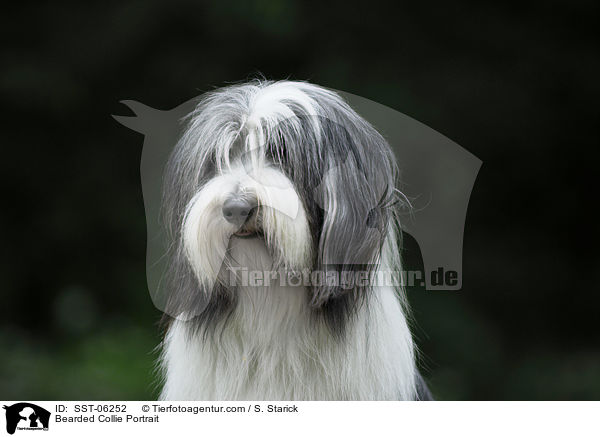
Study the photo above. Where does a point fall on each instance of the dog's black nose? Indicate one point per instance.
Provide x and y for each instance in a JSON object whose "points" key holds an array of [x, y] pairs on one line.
{"points": [[237, 211]]}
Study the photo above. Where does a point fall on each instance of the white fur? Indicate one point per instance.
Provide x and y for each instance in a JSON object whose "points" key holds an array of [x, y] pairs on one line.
{"points": [[271, 349], [206, 234]]}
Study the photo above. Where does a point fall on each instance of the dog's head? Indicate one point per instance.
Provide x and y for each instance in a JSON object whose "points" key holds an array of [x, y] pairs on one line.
{"points": [[276, 175]]}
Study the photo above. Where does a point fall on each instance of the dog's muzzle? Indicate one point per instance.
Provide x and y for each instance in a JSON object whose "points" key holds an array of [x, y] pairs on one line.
{"points": [[240, 212]]}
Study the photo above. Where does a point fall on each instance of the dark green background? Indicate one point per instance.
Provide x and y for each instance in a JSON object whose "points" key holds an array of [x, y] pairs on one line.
{"points": [[517, 85]]}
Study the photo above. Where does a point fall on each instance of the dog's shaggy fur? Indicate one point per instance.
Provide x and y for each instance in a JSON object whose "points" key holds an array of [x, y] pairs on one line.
{"points": [[320, 183]]}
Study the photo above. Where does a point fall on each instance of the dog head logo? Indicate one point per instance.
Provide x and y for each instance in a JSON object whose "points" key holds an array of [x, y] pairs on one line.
{"points": [[437, 176], [26, 416]]}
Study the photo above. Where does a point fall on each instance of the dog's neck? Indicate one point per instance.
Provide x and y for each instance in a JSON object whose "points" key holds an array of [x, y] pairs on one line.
{"points": [[272, 347], [271, 302]]}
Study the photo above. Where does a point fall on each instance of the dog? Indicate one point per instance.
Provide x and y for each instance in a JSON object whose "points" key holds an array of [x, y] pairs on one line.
{"points": [[276, 193]]}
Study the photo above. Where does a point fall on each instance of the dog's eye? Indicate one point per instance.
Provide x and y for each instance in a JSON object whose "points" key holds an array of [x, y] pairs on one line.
{"points": [[373, 218], [278, 155], [207, 171]]}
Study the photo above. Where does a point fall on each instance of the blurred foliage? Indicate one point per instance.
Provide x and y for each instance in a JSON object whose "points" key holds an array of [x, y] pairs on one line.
{"points": [[514, 83], [113, 364]]}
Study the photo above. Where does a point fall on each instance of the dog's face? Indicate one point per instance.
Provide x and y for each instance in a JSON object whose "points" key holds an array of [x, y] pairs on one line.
{"points": [[276, 176], [241, 207]]}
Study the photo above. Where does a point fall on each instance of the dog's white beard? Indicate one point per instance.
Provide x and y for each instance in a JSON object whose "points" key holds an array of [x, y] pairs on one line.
{"points": [[207, 236], [273, 348]]}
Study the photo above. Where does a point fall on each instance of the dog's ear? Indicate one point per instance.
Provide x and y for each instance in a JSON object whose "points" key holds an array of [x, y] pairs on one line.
{"points": [[355, 194]]}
